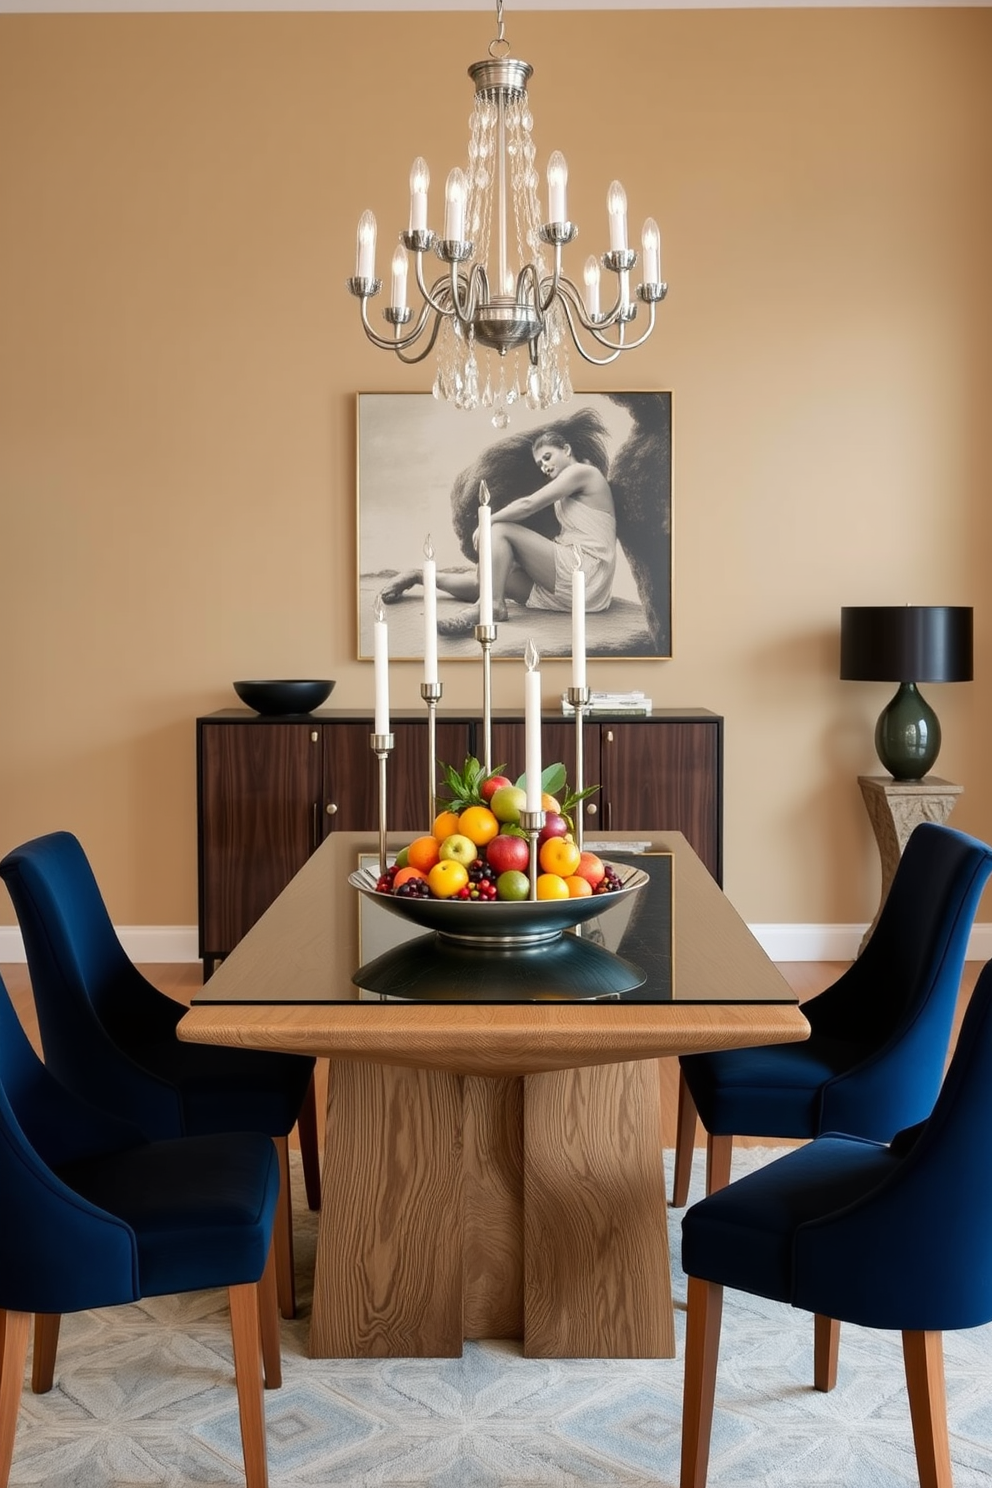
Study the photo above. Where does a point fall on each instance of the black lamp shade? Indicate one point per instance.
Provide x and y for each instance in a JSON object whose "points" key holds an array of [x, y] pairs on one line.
{"points": [[906, 643]]}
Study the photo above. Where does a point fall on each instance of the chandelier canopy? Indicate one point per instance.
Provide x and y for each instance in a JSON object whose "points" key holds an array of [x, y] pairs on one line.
{"points": [[503, 288]]}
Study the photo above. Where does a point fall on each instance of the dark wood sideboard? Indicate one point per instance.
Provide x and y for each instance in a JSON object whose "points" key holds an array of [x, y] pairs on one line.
{"points": [[269, 790]]}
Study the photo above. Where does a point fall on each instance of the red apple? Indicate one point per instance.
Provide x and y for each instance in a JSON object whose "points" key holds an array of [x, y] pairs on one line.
{"points": [[490, 786], [507, 852], [555, 825]]}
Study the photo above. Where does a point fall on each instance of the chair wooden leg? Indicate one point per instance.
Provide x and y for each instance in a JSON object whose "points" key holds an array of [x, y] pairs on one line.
{"points": [[719, 1151], [685, 1138], [306, 1130], [246, 1337], [923, 1355], [268, 1317], [15, 1330], [826, 1345], [702, 1346], [46, 1344], [282, 1236]]}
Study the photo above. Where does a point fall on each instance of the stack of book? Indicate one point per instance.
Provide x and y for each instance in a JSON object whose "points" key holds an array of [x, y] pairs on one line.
{"points": [[612, 702]]}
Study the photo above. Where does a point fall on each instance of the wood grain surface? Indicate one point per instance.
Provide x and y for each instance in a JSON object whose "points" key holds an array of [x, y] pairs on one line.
{"points": [[489, 1169], [598, 1274]]}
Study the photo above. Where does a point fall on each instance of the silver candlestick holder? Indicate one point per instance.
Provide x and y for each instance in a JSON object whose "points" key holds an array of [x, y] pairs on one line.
{"points": [[381, 746], [579, 699], [485, 635], [431, 694], [532, 822]]}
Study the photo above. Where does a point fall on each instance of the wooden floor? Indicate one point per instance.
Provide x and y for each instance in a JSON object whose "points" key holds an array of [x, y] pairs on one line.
{"points": [[181, 981]]}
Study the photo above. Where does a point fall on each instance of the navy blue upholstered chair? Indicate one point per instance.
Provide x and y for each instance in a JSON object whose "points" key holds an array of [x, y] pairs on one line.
{"points": [[896, 1237], [110, 1036], [879, 1035], [95, 1215]]}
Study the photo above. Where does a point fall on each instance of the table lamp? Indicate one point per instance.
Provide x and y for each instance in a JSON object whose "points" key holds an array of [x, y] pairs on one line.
{"points": [[906, 644]]}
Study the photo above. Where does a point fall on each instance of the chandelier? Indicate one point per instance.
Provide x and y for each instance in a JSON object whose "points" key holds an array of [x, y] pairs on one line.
{"points": [[503, 288]]}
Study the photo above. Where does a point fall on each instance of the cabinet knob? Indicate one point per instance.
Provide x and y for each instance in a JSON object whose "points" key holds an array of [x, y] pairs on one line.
{"points": [[591, 809], [609, 736], [331, 809], [314, 736]]}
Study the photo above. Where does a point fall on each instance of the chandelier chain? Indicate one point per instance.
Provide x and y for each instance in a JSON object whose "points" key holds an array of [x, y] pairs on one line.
{"points": [[499, 40]]}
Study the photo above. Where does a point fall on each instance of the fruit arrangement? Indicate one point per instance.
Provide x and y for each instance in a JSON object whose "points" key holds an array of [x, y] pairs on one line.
{"points": [[477, 850]]}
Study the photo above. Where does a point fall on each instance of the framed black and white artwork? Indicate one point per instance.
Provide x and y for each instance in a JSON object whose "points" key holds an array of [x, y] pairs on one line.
{"points": [[596, 473]]}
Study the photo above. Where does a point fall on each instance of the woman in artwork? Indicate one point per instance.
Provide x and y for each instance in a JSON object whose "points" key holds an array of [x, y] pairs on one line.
{"points": [[529, 567]]}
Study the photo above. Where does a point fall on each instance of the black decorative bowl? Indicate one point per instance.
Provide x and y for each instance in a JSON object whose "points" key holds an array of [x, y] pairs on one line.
{"points": [[274, 699]]}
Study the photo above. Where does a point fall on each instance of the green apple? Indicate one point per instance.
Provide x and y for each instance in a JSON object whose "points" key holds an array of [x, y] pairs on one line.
{"points": [[459, 848], [508, 802], [513, 885]]}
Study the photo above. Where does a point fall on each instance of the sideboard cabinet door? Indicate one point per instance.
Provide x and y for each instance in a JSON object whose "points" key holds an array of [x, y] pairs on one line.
{"points": [[659, 776], [257, 793]]}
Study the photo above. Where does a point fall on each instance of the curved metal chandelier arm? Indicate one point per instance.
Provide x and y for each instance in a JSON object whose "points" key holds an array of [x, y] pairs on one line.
{"points": [[400, 346], [571, 302], [395, 343]]}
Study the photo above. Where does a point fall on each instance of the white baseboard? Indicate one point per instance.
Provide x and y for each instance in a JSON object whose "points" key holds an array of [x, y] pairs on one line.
{"points": [[840, 942], [179, 943], [145, 944]]}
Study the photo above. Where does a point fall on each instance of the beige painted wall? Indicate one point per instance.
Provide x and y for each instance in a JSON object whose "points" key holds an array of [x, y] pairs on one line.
{"points": [[179, 358]]}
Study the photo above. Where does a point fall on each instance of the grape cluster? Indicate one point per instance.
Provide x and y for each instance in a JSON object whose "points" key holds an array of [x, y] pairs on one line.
{"points": [[384, 883], [481, 882], [414, 888], [609, 883]]}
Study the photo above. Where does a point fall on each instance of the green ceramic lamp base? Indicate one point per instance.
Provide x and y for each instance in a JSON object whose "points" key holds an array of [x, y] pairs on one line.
{"points": [[907, 735]]}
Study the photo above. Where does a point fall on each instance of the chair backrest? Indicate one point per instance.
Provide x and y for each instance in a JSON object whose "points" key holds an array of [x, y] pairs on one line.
{"points": [[58, 1252], [897, 1000], [915, 1252], [84, 984]]}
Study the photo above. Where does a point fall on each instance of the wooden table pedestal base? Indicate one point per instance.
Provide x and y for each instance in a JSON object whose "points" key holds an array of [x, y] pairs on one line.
{"points": [[525, 1207]]}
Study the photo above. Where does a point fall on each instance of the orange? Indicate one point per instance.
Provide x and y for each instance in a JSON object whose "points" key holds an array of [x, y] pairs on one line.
{"points": [[560, 856], [578, 888], [479, 824], [551, 886], [447, 877], [423, 853], [445, 824], [404, 876], [548, 803]]}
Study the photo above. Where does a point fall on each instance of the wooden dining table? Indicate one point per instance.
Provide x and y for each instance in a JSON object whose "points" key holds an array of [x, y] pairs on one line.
{"points": [[494, 1169]]}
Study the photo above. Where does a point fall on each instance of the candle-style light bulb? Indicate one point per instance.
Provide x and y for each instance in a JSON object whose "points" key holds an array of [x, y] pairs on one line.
{"points": [[397, 294], [591, 276], [651, 245], [365, 265], [420, 179], [557, 181], [616, 205], [455, 193]]}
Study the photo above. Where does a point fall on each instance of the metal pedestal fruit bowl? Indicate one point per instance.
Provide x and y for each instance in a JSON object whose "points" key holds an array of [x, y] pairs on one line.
{"points": [[499, 922]]}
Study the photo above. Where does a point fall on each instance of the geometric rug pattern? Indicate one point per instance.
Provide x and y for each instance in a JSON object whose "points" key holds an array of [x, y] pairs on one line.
{"points": [[144, 1395]]}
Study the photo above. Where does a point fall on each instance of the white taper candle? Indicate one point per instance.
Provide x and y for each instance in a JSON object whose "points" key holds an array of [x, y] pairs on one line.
{"points": [[578, 621], [485, 557], [532, 728], [380, 632], [430, 613]]}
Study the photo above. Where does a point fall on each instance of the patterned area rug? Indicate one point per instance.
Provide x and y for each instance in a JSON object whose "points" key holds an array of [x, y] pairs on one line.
{"points": [[145, 1395]]}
